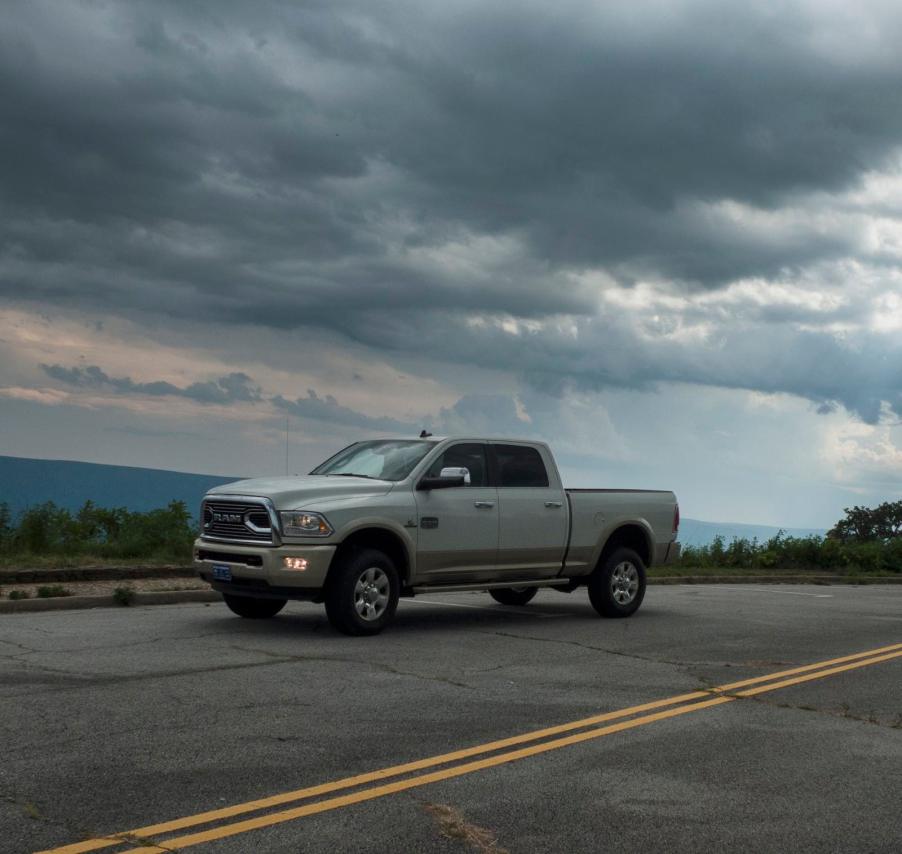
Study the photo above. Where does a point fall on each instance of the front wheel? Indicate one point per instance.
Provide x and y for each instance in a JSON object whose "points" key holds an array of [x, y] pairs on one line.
{"points": [[362, 593], [617, 587], [253, 609], [513, 595]]}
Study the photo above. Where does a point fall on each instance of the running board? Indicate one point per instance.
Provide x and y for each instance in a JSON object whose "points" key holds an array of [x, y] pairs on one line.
{"points": [[488, 585]]}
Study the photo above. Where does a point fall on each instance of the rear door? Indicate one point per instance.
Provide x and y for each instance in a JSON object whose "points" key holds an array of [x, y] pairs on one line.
{"points": [[458, 536], [533, 524]]}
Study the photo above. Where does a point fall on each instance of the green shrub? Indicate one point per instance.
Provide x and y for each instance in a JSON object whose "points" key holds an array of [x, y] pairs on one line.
{"points": [[19, 594], [124, 596], [49, 591]]}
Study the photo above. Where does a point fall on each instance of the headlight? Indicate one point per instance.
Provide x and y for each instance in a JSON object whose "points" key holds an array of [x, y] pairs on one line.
{"points": [[301, 523]]}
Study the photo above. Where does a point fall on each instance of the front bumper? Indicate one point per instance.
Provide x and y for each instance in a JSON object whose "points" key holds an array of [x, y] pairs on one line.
{"points": [[261, 571]]}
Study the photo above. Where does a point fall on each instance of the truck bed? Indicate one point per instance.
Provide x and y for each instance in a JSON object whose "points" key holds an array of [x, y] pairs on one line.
{"points": [[593, 512]]}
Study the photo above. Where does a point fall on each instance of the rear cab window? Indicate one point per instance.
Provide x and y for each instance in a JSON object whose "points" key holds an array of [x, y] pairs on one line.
{"points": [[519, 466]]}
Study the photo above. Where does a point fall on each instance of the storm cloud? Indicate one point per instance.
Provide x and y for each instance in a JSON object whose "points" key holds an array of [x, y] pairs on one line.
{"points": [[235, 387], [584, 195], [328, 409]]}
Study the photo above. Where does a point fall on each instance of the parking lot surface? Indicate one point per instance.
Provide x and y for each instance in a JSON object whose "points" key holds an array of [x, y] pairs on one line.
{"points": [[719, 717]]}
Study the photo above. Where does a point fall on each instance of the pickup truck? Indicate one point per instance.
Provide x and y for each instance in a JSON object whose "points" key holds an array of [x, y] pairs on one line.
{"points": [[396, 517]]}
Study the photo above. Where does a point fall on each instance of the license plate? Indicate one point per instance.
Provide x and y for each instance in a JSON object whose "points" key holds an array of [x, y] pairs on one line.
{"points": [[222, 572]]}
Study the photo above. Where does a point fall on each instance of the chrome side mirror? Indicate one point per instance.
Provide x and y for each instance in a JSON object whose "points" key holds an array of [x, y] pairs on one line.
{"points": [[456, 471]]}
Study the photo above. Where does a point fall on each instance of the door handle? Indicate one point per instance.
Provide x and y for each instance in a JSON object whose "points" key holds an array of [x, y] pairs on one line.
{"points": [[484, 505], [554, 503]]}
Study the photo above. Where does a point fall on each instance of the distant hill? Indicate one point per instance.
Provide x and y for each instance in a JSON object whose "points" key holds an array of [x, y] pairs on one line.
{"points": [[25, 482], [694, 532]]}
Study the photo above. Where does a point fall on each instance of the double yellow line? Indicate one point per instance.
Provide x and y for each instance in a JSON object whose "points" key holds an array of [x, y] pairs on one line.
{"points": [[582, 730]]}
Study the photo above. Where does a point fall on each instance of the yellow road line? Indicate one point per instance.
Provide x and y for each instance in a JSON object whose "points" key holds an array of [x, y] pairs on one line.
{"points": [[459, 770], [154, 830], [414, 782]]}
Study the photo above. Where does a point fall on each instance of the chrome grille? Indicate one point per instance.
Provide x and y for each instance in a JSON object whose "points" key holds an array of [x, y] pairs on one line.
{"points": [[241, 520]]}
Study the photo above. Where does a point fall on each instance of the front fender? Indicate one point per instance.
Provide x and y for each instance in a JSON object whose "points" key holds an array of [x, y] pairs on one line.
{"points": [[404, 533]]}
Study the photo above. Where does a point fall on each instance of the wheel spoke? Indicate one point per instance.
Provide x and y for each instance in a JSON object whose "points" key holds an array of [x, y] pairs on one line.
{"points": [[371, 593], [624, 583]]}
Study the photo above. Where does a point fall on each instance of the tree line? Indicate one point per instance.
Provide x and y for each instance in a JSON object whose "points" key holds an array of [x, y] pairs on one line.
{"points": [[162, 535], [864, 540]]}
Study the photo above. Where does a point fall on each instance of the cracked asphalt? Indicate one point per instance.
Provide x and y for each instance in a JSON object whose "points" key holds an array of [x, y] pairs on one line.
{"points": [[114, 719]]}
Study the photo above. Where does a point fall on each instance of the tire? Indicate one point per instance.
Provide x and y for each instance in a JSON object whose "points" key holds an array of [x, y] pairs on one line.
{"points": [[513, 595], [252, 608], [617, 587], [362, 593]]}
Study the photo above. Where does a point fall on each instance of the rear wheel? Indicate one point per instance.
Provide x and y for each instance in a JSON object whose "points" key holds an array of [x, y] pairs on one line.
{"points": [[513, 595], [617, 587], [362, 593], [253, 609]]}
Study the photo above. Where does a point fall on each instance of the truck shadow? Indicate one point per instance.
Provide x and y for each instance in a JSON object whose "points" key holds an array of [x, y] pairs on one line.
{"points": [[420, 616]]}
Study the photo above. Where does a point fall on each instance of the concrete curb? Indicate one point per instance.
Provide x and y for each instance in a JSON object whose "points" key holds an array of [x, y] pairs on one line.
{"points": [[174, 597], [71, 603], [40, 575]]}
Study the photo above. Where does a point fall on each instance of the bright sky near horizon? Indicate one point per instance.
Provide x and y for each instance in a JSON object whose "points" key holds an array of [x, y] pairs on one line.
{"points": [[665, 237]]}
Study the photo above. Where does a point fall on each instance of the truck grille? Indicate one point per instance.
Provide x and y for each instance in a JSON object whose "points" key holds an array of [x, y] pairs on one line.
{"points": [[246, 521]]}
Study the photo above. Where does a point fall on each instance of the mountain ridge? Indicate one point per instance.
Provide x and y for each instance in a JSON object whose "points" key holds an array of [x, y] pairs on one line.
{"points": [[26, 482]]}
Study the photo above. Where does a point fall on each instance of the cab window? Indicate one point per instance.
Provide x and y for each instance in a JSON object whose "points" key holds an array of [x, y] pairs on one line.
{"points": [[469, 456], [519, 465]]}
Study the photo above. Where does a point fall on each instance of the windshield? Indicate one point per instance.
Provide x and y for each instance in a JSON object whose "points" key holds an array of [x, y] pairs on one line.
{"points": [[386, 459]]}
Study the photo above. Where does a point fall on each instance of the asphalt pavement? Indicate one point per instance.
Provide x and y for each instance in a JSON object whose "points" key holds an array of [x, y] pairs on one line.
{"points": [[114, 720]]}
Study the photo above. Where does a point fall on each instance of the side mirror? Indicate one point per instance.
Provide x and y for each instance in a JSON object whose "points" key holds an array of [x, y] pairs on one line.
{"points": [[448, 477], [456, 471]]}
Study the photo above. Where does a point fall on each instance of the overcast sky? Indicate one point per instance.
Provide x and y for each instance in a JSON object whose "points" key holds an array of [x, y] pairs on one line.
{"points": [[664, 236]]}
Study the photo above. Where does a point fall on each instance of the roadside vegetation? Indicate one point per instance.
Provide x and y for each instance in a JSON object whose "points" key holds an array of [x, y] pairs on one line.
{"points": [[51, 591], [48, 535], [864, 541]]}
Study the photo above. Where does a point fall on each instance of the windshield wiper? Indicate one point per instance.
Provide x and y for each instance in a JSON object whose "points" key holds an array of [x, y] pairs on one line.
{"points": [[351, 474]]}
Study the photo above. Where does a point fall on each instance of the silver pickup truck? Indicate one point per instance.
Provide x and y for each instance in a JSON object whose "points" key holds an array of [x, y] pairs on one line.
{"points": [[397, 517]]}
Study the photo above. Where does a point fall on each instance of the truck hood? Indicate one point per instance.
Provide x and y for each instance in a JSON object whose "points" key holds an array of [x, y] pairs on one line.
{"points": [[303, 492]]}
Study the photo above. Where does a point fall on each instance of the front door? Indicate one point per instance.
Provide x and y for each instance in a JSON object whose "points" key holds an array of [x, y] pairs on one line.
{"points": [[458, 536]]}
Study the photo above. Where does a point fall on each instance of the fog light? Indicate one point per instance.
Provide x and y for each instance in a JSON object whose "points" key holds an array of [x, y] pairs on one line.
{"points": [[298, 563]]}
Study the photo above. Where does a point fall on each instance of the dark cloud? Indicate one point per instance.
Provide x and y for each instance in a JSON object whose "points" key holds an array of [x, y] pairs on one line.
{"points": [[328, 409], [393, 171], [235, 387], [487, 414]]}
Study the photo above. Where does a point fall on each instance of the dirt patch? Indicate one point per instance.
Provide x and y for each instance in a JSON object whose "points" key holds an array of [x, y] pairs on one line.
{"points": [[453, 825]]}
